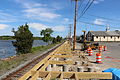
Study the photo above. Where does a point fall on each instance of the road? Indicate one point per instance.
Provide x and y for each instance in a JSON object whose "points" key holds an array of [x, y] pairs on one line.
{"points": [[110, 58]]}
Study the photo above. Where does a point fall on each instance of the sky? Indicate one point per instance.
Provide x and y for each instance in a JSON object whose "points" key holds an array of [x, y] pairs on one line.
{"points": [[58, 15]]}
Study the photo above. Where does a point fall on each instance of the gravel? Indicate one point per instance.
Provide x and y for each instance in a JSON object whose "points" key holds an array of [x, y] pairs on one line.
{"points": [[110, 58]]}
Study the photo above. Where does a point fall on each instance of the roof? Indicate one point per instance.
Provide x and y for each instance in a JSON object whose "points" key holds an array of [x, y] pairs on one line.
{"points": [[105, 33]]}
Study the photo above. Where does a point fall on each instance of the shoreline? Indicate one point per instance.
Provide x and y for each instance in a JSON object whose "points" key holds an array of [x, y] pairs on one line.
{"points": [[9, 65], [8, 50]]}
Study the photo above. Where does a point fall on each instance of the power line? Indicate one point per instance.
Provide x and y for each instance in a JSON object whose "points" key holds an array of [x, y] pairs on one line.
{"points": [[110, 21], [89, 1], [98, 24], [104, 17], [80, 6], [86, 8]]}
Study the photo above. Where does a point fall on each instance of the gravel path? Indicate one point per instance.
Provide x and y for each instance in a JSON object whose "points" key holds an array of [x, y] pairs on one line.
{"points": [[110, 58]]}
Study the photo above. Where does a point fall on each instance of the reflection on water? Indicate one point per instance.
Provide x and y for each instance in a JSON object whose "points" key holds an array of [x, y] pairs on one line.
{"points": [[7, 49]]}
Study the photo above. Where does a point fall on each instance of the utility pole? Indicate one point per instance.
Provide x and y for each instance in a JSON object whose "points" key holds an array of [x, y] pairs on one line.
{"points": [[70, 26], [84, 42], [75, 19]]}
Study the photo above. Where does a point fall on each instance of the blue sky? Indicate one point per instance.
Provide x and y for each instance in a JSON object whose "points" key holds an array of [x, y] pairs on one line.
{"points": [[56, 14]]}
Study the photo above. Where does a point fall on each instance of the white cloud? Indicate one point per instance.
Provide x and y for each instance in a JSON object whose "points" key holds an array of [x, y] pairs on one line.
{"points": [[97, 1], [29, 4], [3, 26], [59, 28], [40, 27], [38, 11], [66, 20], [5, 17], [49, 15], [57, 5], [40, 14], [99, 21]]}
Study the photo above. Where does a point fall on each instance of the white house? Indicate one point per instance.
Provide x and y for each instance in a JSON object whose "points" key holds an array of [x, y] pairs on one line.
{"points": [[103, 35]]}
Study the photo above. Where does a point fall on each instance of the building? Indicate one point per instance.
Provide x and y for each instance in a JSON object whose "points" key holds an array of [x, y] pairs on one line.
{"points": [[103, 35]]}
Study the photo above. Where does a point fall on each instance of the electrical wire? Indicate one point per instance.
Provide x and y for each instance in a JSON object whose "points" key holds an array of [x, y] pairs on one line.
{"points": [[109, 21], [86, 8], [104, 18], [98, 24], [80, 6]]}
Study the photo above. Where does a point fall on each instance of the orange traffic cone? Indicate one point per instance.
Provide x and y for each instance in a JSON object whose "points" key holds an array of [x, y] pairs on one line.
{"points": [[88, 49], [100, 49], [90, 52], [98, 58], [105, 48]]}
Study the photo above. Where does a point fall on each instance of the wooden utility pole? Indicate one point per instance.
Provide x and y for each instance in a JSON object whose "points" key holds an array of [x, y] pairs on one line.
{"points": [[75, 19], [70, 26], [84, 42], [84, 35]]}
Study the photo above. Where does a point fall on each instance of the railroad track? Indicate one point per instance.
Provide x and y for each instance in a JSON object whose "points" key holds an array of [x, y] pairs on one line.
{"points": [[18, 73]]}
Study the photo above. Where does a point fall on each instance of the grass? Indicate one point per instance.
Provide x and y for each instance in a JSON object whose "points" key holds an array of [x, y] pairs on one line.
{"points": [[42, 48], [20, 59]]}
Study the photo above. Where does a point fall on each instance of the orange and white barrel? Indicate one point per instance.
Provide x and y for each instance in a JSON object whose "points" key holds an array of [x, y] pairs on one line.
{"points": [[88, 49], [100, 49], [90, 52], [98, 58], [105, 48]]}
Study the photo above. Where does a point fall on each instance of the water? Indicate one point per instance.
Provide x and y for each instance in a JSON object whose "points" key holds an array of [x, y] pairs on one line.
{"points": [[7, 49]]}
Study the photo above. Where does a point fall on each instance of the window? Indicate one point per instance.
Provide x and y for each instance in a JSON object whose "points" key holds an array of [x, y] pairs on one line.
{"points": [[96, 36], [111, 36], [104, 36]]}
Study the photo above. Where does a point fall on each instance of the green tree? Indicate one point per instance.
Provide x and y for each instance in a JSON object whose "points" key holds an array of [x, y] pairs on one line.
{"points": [[24, 39], [58, 38], [46, 34], [54, 40]]}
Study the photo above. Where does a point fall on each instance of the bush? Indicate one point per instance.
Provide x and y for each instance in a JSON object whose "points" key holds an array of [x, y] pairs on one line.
{"points": [[24, 39]]}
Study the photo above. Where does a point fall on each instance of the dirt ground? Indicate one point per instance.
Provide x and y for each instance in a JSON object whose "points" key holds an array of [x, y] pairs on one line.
{"points": [[110, 58]]}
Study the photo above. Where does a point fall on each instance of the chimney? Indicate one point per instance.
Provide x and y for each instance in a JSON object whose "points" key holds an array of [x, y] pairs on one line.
{"points": [[107, 29]]}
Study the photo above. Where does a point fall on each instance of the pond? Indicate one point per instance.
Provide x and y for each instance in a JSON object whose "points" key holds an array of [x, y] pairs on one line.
{"points": [[7, 49]]}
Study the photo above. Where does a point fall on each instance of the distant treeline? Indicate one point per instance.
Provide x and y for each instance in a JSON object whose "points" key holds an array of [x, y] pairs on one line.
{"points": [[12, 38]]}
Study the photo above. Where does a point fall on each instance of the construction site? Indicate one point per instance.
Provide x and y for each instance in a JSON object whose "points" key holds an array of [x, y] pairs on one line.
{"points": [[92, 56], [62, 63]]}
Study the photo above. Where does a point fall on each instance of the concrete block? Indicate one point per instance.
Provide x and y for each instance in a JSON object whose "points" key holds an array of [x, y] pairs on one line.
{"points": [[65, 68], [90, 69], [80, 69], [49, 68]]}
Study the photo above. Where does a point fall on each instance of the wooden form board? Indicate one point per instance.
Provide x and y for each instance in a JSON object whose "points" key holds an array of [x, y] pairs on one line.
{"points": [[61, 62], [74, 75], [63, 56]]}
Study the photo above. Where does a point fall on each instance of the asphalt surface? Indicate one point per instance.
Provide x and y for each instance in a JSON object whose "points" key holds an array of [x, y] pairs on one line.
{"points": [[110, 58]]}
